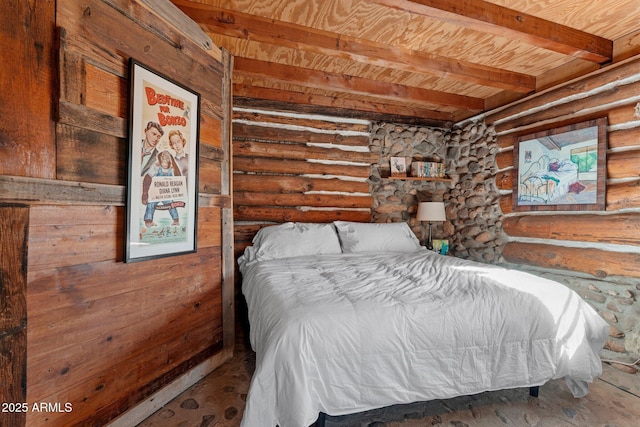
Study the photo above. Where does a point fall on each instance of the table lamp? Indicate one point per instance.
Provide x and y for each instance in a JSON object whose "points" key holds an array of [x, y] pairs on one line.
{"points": [[431, 211]]}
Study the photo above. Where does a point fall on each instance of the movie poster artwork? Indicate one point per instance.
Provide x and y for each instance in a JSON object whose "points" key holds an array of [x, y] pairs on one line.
{"points": [[163, 154]]}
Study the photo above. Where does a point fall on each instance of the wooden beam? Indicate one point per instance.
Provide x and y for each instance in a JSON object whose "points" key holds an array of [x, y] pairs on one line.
{"points": [[250, 96], [39, 191], [596, 262], [173, 16], [295, 184], [299, 152], [257, 131], [14, 229], [620, 229], [352, 84], [501, 21], [258, 29], [298, 214]]}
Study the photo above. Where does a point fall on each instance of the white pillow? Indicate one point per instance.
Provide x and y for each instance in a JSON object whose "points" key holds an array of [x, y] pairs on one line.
{"points": [[374, 237], [293, 239]]}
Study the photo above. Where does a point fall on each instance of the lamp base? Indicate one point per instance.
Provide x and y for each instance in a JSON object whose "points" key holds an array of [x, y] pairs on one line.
{"points": [[430, 241]]}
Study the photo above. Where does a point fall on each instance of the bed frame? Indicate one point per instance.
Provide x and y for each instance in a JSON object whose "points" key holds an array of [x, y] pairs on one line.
{"points": [[322, 418]]}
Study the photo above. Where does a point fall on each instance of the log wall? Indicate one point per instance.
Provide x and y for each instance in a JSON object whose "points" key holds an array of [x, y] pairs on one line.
{"points": [[603, 247], [104, 335], [301, 168]]}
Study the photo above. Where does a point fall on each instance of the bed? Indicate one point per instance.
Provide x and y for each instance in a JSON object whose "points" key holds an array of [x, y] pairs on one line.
{"points": [[347, 317], [547, 179]]}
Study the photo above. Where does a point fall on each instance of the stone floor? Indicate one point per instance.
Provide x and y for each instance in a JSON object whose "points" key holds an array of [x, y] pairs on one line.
{"points": [[613, 401]]}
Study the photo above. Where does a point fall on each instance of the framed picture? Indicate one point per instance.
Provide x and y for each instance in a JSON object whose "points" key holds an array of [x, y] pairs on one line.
{"points": [[162, 185], [561, 169], [440, 246], [398, 166]]}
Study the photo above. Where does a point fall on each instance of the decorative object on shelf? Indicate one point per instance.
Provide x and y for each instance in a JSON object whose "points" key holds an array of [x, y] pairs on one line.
{"points": [[427, 170], [441, 246], [398, 166], [431, 212], [561, 169]]}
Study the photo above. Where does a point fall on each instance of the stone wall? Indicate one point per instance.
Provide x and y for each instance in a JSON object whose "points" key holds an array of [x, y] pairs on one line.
{"points": [[473, 227], [397, 200]]}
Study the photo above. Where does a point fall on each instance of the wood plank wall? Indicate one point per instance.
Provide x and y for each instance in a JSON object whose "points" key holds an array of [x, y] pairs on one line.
{"points": [[104, 335], [14, 222], [609, 241], [300, 168]]}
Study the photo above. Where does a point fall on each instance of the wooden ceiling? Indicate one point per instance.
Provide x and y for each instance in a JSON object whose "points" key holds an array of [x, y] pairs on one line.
{"points": [[425, 61]]}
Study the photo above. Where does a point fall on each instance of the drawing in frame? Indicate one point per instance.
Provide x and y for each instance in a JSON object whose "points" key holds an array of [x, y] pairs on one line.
{"points": [[398, 166], [162, 184], [561, 169]]}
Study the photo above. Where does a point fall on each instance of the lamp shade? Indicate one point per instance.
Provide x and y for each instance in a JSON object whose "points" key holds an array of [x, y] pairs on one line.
{"points": [[431, 211]]}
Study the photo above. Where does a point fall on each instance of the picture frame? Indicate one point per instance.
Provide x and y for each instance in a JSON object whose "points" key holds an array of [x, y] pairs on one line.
{"points": [[440, 246], [398, 166], [162, 181], [561, 169]]}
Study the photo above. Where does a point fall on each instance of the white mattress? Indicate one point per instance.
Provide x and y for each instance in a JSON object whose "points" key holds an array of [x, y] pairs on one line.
{"points": [[346, 333]]}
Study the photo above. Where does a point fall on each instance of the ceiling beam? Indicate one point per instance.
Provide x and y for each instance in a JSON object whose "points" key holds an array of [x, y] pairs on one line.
{"points": [[352, 84], [245, 93], [250, 27], [501, 21]]}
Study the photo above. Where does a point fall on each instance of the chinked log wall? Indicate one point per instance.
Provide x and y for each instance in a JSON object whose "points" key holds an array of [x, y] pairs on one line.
{"points": [[301, 168], [101, 334], [600, 248]]}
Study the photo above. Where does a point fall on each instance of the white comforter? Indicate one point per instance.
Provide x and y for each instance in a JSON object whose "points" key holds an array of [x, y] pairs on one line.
{"points": [[346, 333]]}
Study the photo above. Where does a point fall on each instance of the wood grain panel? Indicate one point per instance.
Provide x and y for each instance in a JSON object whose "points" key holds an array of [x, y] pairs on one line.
{"points": [[603, 80], [255, 131], [317, 200], [622, 229], [105, 91], [14, 224], [299, 121], [71, 235], [298, 167], [623, 195], [588, 107], [27, 143], [210, 131], [504, 180], [193, 304], [596, 262], [252, 213], [506, 204], [295, 184], [89, 156], [299, 152], [91, 26], [280, 175], [71, 302], [210, 176], [77, 235], [623, 164], [504, 159], [624, 138], [105, 334]]}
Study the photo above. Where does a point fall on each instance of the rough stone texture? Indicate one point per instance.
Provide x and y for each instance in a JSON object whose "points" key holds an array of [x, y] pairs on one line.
{"points": [[397, 200], [473, 225]]}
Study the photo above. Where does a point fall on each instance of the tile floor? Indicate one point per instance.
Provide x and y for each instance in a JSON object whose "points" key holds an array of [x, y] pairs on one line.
{"points": [[614, 401]]}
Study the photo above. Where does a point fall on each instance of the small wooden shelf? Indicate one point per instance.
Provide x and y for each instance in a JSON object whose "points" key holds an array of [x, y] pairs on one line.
{"points": [[418, 178]]}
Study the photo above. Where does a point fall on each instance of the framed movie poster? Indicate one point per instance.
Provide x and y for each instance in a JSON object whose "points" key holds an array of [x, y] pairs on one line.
{"points": [[162, 187]]}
